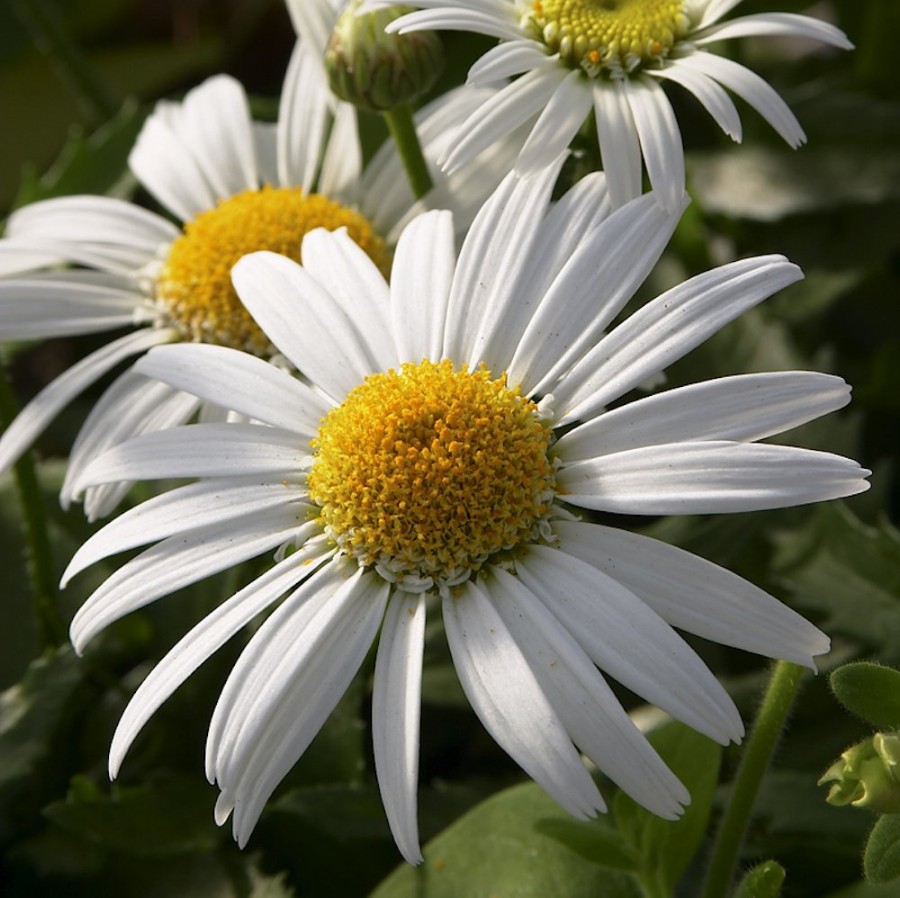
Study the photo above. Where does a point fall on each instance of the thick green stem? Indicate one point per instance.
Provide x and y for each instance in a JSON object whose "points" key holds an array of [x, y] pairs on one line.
{"points": [[403, 130], [758, 751], [71, 66], [50, 627]]}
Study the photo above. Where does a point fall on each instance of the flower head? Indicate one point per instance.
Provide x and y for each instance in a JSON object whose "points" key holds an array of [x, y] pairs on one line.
{"points": [[237, 186], [449, 429], [572, 57]]}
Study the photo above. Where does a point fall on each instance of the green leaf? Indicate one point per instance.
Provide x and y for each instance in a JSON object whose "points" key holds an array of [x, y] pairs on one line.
{"points": [[340, 812], [763, 881], [501, 848], [870, 691], [168, 815], [664, 847], [849, 574], [596, 841], [94, 164], [881, 858], [31, 715]]}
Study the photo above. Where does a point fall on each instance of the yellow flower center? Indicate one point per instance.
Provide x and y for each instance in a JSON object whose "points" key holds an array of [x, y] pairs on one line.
{"points": [[608, 36], [426, 472], [194, 286]]}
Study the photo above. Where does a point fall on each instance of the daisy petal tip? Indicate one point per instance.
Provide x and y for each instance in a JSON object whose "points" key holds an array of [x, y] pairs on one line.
{"points": [[673, 203], [412, 854], [114, 765], [79, 639], [222, 811]]}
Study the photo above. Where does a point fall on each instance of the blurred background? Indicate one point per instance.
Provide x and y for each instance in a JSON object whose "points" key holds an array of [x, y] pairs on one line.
{"points": [[833, 207]]}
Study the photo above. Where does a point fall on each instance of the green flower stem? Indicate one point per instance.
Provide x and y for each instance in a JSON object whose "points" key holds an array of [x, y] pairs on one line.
{"points": [[403, 129], [50, 627], [777, 701], [71, 66]]}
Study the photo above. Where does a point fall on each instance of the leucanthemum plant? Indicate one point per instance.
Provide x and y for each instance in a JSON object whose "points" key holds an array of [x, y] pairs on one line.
{"points": [[452, 429], [610, 58], [237, 186]]}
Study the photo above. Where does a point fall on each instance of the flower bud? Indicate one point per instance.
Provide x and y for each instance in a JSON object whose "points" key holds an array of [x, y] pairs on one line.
{"points": [[378, 71], [867, 775]]}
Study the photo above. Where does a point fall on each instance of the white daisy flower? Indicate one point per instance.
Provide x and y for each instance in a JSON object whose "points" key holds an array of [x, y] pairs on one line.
{"points": [[452, 426], [610, 57], [237, 186]]}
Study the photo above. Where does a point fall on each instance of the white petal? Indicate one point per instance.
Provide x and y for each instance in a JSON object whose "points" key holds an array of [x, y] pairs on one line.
{"points": [[387, 198], [240, 382], [600, 276], [424, 263], [20, 258], [632, 643], [753, 89], [713, 10], [192, 507], [774, 23], [265, 139], [41, 307], [660, 139], [29, 423], [218, 131], [618, 139], [104, 258], [303, 118], [180, 561], [342, 162], [666, 329], [708, 478], [205, 638], [557, 124], [303, 321], [93, 219], [165, 164], [713, 97], [744, 408], [587, 706], [131, 405], [503, 112], [505, 60], [694, 594], [308, 684], [358, 288], [199, 450], [567, 224], [313, 21], [484, 299], [509, 701], [458, 18], [246, 689], [396, 701]]}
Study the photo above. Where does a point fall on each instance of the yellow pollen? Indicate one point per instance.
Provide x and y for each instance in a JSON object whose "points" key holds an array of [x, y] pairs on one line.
{"points": [[426, 471], [194, 286], [609, 37]]}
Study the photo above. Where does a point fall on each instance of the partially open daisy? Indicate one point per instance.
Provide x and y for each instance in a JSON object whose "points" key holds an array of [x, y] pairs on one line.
{"points": [[610, 57], [452, 426], [237, 186]]}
